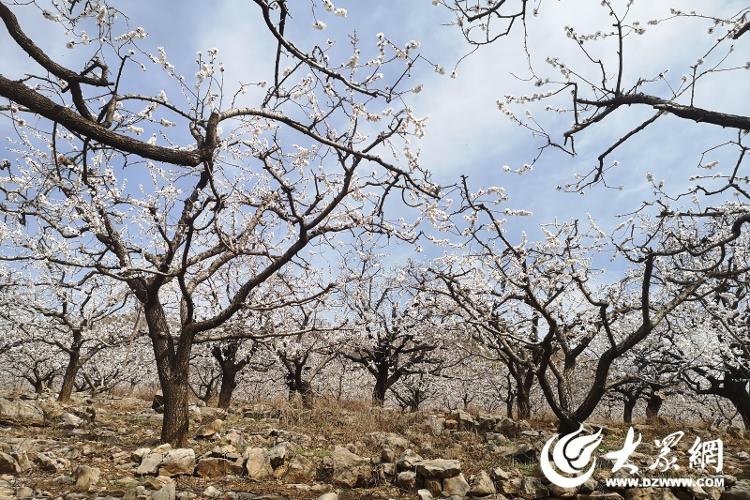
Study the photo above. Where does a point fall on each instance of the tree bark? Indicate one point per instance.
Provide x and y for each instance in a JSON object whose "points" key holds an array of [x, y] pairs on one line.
{"points": [[74, 364], [173, 368], [228, 384], [628, 407], [653, 405]]}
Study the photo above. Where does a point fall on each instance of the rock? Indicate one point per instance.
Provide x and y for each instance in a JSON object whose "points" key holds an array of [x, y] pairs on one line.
{"points": [[6, 490], [150, 463], [511, 428], [214, 468], [601, 495], [424, 495], [350, 470], [522, 453], [211, 492], [20, 411], [162, 488], [300, 469], [8, 464], [589, 486], [482, 485], [456, 485], [157, 404], [51, 463], [210, 429], [70, 420], [86, 477], [24, 492], [744, 456], [407, 480], [438, 469], [436, 424], [740, 491], [180, 461], [560, 492], [257, 464], [499, 474], [434, 486], [464, 419], [408, 460], [648, 494], [450, 424], [329, 496], [532, 488], [277, 454]]}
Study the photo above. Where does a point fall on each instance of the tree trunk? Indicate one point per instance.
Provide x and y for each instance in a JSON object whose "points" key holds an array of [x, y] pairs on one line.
{"points": [[173, 368], [652, 408], [176, 423], [74, 360], [378, 392], [628, 407], [228, 384], [738, 394]]}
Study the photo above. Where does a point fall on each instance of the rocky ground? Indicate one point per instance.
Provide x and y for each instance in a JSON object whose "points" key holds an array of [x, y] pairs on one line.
{"points": [[108, 448]]}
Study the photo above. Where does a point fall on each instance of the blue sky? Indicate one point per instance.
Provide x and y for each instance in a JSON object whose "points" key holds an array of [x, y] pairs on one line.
{"points": [[466, 132]]}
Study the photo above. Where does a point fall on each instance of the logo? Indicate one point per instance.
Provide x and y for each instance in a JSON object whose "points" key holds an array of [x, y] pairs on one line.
{"points": [[571, 455], [573, 462]]}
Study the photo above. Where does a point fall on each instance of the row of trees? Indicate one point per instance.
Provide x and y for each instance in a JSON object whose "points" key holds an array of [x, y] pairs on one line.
{"points": [[219, 239]]}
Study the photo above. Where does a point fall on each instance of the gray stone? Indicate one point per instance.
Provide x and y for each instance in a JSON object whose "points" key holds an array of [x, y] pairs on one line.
{"points": [[424, 495], [438, 468], [456, 485], [740, 491], [350, 470], [177, 462], [408, 460], [257, 464], [21, 411], [8, 464], [86, 477], [407, 480], [482, 485]]}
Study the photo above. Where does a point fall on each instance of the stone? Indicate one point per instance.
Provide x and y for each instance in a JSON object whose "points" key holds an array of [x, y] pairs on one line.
{"points": [[522, 453], [329, 496], [498, 474], [434, 486], [532, 488], [8, 464], [424, 495], [180, 461], [408, 460], [648, 494], [157, 404], [210, 429], [214, 468], [437, 424], [86, 477], [601, 495], [257, 464], [211, 492], [350, 470], [456, 485], [560, 492], [407, 480], [300, 469], [24, 492], [51, 463], [149, 463], [161, 488], [70, 420], [277, 455], [511, 428], [465, 420], [482, 485], [740, 491], [20, 411], [438, 468]]}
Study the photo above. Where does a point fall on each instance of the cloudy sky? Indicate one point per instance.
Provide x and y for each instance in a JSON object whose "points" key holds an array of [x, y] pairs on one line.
{"points": [[466, 133]]}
